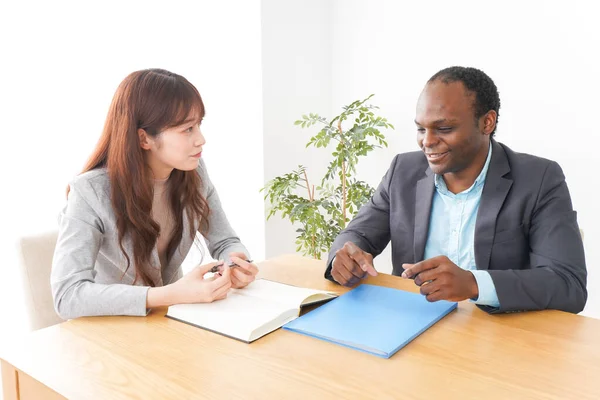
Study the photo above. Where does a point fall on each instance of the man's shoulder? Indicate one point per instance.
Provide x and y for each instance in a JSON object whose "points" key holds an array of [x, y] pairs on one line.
{"points": [[412, 157], [410, 165], [525, 163]]}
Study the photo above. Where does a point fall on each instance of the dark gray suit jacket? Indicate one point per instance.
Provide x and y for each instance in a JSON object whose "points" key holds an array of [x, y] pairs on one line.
{"points": [[526, 234]]}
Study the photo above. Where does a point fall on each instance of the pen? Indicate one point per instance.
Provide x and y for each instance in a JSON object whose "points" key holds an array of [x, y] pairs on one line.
{"points": [[232, 265]]}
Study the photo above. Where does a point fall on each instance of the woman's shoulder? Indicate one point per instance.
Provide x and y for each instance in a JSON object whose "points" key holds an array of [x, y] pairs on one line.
{"points": [[94, 183], [89, 199]]}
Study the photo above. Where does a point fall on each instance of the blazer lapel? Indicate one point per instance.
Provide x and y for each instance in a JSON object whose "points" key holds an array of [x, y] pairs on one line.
{"points": [[495, 190], [174, 264], [423, 201]]}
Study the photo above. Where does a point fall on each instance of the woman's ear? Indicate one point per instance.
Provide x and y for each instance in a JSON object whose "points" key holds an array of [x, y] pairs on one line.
{"points": [[144, 139]]}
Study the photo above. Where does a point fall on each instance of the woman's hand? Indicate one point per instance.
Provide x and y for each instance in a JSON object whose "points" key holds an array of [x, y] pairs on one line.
{"points": [[194, 288], [242, 275]]}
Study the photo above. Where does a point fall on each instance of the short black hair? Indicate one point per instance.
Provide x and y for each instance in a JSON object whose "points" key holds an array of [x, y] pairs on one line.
{"points": [[475, 81]]}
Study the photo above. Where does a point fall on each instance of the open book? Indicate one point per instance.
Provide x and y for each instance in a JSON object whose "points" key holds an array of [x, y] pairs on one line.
{"points": [[250, 313]]}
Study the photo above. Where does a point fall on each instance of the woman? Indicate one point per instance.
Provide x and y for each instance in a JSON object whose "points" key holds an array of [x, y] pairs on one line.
{"points": [[133, 213]]}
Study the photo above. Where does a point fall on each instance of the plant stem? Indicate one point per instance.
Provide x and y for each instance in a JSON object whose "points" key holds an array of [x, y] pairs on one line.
{"points": [[343, 176], [311, 198]]}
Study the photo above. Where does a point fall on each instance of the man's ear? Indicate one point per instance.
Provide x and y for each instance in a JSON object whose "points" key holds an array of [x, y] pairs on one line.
{"points": [[489, 122], [144, 139]]}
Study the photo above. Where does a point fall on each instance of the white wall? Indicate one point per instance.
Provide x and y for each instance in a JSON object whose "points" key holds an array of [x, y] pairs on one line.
{"points": [[541, 54], [61, 63], [297, 76]]}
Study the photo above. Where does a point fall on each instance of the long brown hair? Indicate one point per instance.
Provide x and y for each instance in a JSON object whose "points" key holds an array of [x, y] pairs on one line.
{"points": [[153, 100]]}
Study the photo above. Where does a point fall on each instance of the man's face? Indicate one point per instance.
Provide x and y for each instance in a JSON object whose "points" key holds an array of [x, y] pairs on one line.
{"points": [[447, 130]]}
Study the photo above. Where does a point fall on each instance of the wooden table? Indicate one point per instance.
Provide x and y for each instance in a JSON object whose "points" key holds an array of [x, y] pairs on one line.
{"points": [[468, 354]]}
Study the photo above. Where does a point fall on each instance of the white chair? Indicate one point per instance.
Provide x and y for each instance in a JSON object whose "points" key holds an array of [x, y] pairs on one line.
{"points": [[35, 254]]}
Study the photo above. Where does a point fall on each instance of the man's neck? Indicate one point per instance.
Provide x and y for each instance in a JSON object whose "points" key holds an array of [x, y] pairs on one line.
{"points": [[460, 181]]}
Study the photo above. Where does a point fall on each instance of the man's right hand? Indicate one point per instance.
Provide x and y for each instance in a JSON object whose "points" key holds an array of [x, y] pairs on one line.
{"points": [[351, 264]]}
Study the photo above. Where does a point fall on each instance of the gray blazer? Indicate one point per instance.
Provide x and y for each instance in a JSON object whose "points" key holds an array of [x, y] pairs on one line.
{"points": [[526, 233], [88, 263]]}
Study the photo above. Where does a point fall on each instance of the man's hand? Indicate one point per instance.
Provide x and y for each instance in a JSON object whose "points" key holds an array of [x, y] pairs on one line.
{"points": [[351, 264], [441, 279]]}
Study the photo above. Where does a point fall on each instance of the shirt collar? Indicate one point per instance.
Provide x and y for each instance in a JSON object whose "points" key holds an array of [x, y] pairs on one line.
{"points": [[440, 184]]}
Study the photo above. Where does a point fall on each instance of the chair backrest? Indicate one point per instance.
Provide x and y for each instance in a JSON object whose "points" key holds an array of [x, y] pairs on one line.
{"points": [[35, 256]]}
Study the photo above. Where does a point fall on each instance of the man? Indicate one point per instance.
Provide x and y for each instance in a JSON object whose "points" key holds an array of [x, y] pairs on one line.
{"points": [[469, 218]]}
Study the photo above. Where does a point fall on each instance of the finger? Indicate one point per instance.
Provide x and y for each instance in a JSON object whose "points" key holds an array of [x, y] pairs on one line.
{"points": [[241, 276], [349, 264], [337, 277], [426, 276], [346, 275], [235, 282], [361, 257], [429, 288], [435, 296], [221, 291], [204, 269], [244, 265], [410, 270], [223, 296], [339, 274], [344, 266], [223, 280], [353, 281]]}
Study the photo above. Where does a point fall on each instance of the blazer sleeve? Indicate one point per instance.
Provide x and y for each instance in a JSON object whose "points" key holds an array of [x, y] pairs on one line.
{"points": [[370, 228], [74, 290], [221, 238], [557, 277]]}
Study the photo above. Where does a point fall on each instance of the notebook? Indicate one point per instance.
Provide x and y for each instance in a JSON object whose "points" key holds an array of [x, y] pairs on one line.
{"points": [[250, 313], [374, 319]]}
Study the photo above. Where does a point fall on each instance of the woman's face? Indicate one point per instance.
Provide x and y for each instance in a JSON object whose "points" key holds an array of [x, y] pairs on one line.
{"points": [[179, 148]]}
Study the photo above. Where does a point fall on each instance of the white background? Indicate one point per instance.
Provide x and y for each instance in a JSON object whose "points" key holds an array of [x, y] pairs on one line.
{"points": [[61, 64], [542, 55], [261, 65]]}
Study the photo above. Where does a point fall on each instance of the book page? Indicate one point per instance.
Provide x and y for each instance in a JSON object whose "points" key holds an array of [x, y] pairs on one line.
{"points": [[237, 315], [276, 292]]}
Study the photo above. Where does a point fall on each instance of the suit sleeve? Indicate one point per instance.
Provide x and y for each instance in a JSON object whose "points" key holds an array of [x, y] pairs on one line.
{"points": [[370, 228], [557, 275]]}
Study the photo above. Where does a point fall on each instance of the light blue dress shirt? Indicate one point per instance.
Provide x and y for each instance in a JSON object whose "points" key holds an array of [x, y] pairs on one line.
{"points": [[452, 231]]}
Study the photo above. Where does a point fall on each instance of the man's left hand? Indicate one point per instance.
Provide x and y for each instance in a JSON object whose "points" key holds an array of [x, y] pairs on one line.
{"points": [[441, 279]]}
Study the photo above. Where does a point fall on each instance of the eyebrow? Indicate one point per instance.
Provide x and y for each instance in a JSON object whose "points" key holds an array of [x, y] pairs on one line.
{"points": [[190, 120], [440, 121]]}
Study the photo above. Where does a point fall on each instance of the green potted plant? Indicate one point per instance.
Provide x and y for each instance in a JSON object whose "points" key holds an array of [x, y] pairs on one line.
{"points": [[322, 215]]}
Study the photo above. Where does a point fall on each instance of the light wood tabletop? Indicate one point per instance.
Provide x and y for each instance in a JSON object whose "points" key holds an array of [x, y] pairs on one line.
{"points": [[468, 354]]}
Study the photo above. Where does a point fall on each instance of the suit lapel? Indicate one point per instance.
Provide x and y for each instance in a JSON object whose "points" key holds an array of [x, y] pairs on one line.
{"points": [[423, 201], [494, 193]]}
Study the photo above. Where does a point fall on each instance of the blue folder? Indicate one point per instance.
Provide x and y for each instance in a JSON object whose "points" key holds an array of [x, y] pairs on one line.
{"points": [[374, 319]]}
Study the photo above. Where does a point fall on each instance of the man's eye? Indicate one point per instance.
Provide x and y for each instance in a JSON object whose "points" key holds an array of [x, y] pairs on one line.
{"points": [[421, 130], [445, 129]]}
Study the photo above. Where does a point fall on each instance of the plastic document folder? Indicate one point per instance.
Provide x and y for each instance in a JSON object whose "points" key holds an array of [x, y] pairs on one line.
{"points": [[374, 319]]}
